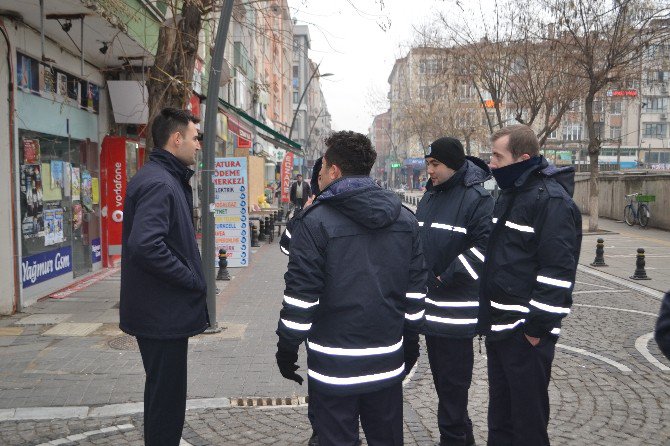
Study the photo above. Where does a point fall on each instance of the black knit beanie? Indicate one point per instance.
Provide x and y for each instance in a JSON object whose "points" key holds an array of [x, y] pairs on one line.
{"points": [[449, 151]]}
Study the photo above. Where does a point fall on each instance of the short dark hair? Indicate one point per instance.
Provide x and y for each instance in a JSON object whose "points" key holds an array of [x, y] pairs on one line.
{"points": [[168, 121], [350, 151], [522, 139]]}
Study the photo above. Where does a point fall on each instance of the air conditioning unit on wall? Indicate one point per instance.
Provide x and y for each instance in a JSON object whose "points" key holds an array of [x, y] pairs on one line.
{"points": [[664, 117]]}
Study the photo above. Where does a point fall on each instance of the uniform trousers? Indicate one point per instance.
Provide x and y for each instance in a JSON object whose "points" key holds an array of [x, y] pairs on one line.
{"points": [[164, 389], [336, 417], [519, 377], [451, 361]]}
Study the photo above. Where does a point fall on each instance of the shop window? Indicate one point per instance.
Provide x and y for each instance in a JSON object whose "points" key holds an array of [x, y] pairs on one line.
{"points": [[59, 194]]}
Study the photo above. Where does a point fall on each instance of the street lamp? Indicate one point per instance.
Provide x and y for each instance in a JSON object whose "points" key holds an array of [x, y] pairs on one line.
{"points": [[297, 109]]}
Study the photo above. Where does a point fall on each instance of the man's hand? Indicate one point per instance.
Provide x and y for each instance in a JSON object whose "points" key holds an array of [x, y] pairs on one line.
{"points": [[309, 201], [286, 361], [533, 341]]}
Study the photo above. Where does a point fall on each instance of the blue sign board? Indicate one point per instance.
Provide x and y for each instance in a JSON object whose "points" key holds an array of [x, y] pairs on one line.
{"points": [[47, 265]]}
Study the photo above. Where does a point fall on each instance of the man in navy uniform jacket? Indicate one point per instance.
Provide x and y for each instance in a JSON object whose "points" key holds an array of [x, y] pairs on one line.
{"points": [[354, 290], [163, 289], [526, 284]]}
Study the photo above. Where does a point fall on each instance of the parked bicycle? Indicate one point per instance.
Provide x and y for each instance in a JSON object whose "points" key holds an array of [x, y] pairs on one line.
{"points": [[637, 209]]}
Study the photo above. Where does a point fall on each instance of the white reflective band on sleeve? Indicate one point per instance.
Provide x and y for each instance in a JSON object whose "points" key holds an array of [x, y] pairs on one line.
{"points": [[415, 316], [449, 227], [295, 325], [477, 254], [420, 223], [520, 308], [521, 228], [473, 303], [288, 234], [556, 331], [355, 379], [495, 220], [508, 326], [299, 303], [549, 308], [415, 295], [284, 250], [554, 282], [337, 351], [468, 267], [450, 320]]}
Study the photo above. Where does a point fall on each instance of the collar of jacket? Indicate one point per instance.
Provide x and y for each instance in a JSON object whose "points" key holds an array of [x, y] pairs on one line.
{"points": [[346, 184], [456, 178], [515, 175], [171, 164]]}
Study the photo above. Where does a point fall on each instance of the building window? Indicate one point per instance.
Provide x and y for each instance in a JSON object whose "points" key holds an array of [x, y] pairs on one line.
{"points": [[576, 106], [615, 107], [295, 97], [655, 104], [615, 132], [655, 129], [553, 135], [572, 132]]}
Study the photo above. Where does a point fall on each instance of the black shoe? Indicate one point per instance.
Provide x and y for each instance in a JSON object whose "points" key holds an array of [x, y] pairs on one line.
{"points": [[313, 440]]}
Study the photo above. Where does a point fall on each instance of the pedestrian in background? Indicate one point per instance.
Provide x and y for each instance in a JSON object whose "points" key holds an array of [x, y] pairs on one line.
{"points": [[300, 193], [455, 221], [527, 282], [163, 287], [663, 327], [355, 283]]}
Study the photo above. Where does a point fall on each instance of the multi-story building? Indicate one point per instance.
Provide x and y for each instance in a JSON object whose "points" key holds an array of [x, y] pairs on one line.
{"points": [[77, 113], [380, 135], [431, 92]]}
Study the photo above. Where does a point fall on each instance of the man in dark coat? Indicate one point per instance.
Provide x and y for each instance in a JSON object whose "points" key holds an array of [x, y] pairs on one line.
{"points": [[300, 193], [526, 285], [354, 287], [663, 327], [455, 221], [163, 289]]}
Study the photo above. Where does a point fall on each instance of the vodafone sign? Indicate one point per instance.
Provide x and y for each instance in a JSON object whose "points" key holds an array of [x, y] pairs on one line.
{"points": [[113, 192]]}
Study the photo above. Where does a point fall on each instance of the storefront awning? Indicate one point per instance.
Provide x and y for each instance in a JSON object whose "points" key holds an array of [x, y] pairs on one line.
{"points": [[264, 131]]}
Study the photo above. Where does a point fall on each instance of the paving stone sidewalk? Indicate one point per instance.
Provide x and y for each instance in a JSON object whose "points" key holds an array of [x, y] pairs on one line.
{"points": [[610, 383]]}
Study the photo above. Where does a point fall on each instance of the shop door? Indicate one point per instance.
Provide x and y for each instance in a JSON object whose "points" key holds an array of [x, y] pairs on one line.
{"points": [[85, 208]]}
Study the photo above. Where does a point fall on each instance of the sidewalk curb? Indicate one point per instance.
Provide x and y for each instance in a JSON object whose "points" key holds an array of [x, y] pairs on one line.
{"points": [[623, 282], [109, 410]]}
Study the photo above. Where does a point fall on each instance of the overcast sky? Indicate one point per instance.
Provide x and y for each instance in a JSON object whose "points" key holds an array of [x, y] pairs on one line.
{"points": [[350, 43]]}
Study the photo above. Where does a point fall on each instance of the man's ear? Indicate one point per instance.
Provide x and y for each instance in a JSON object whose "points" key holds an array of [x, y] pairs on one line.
{"points": [[335, 172], [524, 157]]}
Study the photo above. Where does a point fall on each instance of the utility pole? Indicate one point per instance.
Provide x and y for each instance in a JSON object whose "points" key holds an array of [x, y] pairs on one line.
{"points": [[209, 147]]}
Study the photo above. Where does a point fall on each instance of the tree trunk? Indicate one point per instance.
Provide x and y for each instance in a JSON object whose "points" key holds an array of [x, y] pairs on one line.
{"points": [[594, 153], [170, 79]]}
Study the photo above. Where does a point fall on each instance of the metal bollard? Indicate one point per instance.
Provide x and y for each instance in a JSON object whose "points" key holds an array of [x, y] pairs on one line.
{"points": [[280, 214], [254, 236], [272, 227], [223, 266], [640, 273], [261, 230], [600, 254], [268, 230]]}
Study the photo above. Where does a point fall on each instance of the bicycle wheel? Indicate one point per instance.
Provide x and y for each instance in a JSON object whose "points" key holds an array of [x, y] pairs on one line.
{"points": [[628, 215], [644, 215]]}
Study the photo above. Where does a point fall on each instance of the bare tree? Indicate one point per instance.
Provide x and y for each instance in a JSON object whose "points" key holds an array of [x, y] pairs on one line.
{"points": [[607, 42]]}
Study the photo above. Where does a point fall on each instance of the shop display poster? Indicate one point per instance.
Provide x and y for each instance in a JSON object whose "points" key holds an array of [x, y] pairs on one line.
{"points": [[76, 184]]}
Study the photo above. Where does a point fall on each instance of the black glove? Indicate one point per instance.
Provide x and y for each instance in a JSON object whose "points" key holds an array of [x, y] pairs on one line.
{"points": [[410, 345], [286, 360]]}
